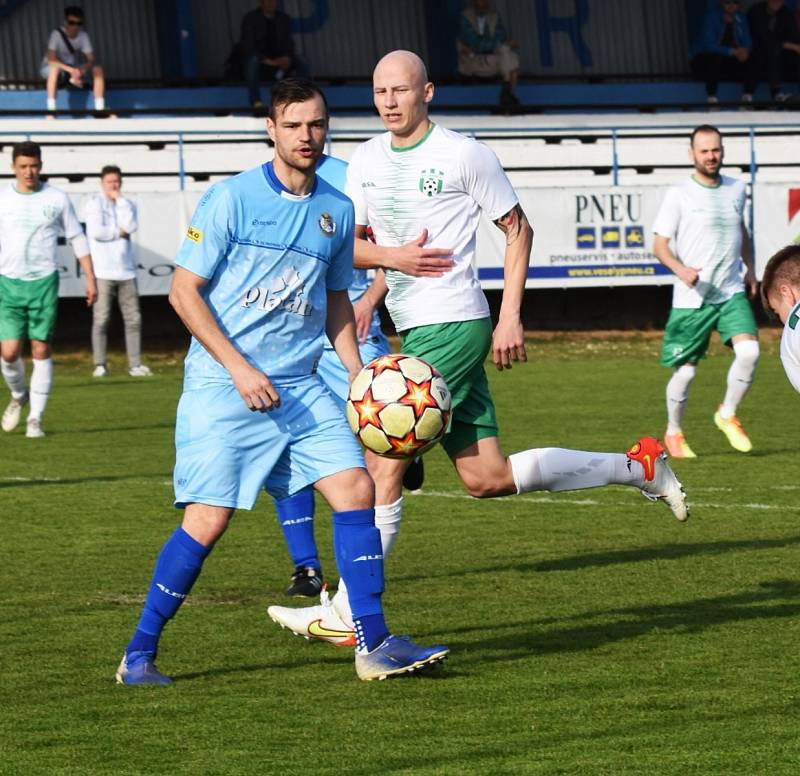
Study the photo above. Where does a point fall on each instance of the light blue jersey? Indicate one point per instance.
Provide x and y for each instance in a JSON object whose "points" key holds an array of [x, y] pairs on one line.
{"points": [[270, 257], [334, 171]]}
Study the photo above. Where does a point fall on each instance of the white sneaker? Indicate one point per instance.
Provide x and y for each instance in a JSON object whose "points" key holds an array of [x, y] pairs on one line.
{"points": [[12, 413], [321, 623], [34, 429], [100, 371], [660, 482], [140, 371]]}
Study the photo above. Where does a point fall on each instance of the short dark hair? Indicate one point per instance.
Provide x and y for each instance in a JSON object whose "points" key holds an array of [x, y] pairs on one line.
{"points": [[109, 169], [73, 10], [291, 90], [704, 128], [783, 267], [26, 149]]}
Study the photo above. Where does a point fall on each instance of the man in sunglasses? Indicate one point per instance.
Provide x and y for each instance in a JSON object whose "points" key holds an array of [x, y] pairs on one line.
{"points": [[70, 60]]}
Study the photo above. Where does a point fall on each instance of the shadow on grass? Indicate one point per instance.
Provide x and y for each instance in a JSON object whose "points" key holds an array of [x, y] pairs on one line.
{"points": [[33, 482], [767, 602], [663, 552]]}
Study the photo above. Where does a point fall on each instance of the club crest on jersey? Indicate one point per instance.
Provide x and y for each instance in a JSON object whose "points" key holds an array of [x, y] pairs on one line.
{"points": [[50, 211], [430, 182], [327, 224]]}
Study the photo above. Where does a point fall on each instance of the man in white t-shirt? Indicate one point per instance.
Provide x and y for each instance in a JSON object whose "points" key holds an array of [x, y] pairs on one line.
{"points": [[110, 222], [780, 294], [420, 184], [70, 60], [712, 261], [32, 215]]}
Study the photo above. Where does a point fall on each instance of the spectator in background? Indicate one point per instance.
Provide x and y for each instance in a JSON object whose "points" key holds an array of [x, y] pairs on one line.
{"points": [[722, 50], [70, 60], [267, 48], [776, 44], [485, 50], [110, 222]]}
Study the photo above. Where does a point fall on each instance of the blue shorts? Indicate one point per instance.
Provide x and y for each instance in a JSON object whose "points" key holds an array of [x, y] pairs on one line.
{"points": [[335, 376], [225, 453]]}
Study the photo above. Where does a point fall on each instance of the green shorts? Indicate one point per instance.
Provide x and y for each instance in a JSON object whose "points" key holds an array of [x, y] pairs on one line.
{"points": [[688, 330], [458, 351], [28, 308]]}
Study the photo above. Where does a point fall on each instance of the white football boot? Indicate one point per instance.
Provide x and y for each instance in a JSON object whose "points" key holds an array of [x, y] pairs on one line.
{"points": [[320, 623], [660, 482]]}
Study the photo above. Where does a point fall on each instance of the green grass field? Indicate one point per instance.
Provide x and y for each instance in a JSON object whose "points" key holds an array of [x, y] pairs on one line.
{"points": [[591, 633]]}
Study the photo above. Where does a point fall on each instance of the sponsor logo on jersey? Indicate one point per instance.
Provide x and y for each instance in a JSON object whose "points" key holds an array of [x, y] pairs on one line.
{"points": [[195, 235], [259, 222], [431, 181], [586, 237], [285, 292], [327, 224]]}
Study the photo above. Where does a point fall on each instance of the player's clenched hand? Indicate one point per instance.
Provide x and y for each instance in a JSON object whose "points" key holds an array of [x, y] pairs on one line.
{"points": [[508, 343], [255, 388], [413, 259], [688, 275]]}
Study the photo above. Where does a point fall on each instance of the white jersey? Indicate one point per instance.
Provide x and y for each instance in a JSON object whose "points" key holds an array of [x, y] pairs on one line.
{"points": [[81, 46], [790, 347], [705, 224], [29, 229], [112, 255], [441, 184]]}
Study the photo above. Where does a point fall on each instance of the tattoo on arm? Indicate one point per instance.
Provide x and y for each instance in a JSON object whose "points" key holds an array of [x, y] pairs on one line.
{"points": [[511, 223]]}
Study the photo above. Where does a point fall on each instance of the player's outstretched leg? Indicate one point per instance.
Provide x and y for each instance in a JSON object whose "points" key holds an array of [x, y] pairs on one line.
{"points": [[296, 518], [177, 568], [359, 556], [555, 469]]}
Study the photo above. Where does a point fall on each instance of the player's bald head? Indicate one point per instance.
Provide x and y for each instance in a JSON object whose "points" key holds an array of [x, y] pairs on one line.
{"points": [[402, 62]]}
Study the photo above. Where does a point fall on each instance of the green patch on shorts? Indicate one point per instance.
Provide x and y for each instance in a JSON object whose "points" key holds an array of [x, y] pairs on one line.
{"points": [[458, 350], [688, 330], [28, 308]]}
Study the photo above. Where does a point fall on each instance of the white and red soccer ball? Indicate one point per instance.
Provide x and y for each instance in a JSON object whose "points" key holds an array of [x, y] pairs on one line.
{"points": [[398, 406]]}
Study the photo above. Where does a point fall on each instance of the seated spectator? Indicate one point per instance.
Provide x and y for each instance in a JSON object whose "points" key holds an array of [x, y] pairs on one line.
{"points": [[722, 51], [267, 48], [776, 44], [70, 60], [485, 50], [110, 222]]}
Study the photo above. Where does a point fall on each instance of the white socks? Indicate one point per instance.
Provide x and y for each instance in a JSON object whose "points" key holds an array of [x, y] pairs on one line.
{"points": [[51, 103], [14, 375], [387, 521], [740, 375], [41, 380], [99, 103], [677, 395], [554, 468]]}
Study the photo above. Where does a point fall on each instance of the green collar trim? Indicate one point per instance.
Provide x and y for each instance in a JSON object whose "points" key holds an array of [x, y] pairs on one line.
{"points": [[418, 143], [705, 185]]}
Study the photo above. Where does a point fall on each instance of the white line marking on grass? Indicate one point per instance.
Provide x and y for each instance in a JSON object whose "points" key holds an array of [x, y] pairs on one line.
{"points": [[588, 502]]}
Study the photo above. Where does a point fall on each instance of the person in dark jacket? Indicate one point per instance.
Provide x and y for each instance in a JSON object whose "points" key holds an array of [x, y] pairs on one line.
{"points": [[723, 50], [267, 48], [776, 44]]}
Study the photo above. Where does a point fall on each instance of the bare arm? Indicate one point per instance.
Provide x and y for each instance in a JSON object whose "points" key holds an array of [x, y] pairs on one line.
{"points": [[364, 308], [340, 326], [91, 282], [508, 340], [686, 274], [747, 257], [253, 385], [410, 259]]}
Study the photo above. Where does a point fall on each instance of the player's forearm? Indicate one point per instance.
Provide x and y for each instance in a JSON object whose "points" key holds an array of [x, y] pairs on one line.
{"points": [[747, 253], [368, 255], [193, 311], [87, 267], [662, 252], [515, 271], [377, 290], [340, 326]]}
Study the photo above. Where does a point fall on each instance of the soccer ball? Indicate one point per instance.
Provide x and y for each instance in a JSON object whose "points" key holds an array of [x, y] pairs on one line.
{"points": [[398, 406]]}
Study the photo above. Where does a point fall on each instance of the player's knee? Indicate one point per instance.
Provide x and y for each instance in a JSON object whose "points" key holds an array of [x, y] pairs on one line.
{"points": [[487, 486], [361, 489], [97, 71], [747, 352]]}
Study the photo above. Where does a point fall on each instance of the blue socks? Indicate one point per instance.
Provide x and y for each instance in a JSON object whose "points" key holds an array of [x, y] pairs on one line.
{"points": [[357, 545], [296, 518], [177, 568]]}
